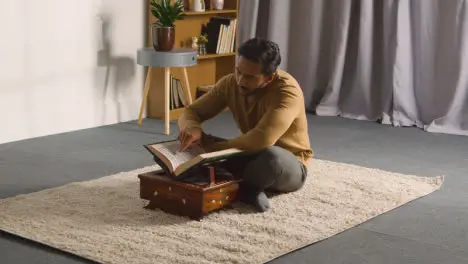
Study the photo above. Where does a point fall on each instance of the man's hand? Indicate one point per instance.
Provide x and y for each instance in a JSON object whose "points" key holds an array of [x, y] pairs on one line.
{"points": [[188, 137]]}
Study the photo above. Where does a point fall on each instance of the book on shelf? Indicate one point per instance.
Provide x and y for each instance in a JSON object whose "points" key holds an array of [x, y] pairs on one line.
{"points": [[178, 164], [221, 33], [177, 95]]}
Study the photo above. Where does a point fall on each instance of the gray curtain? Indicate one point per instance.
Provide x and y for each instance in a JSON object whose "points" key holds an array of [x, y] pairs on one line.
{"points": [[399, 62]]}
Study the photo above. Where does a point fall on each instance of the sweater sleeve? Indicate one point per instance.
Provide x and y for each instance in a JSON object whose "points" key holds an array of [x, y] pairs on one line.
{"points": [[205, 107], [283, 110]]}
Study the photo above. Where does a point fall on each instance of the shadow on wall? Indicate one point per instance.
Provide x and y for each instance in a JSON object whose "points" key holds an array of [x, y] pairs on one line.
{"points": [[112, 82]]}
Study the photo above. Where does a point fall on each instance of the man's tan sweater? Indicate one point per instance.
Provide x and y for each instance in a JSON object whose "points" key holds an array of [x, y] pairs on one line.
{"points": [[274, 115]]}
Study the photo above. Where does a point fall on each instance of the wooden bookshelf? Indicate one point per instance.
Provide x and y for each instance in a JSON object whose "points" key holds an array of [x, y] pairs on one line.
{"points": [[210, 67]]}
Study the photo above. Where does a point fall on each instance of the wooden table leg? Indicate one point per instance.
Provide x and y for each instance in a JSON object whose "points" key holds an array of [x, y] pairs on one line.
{"points": [[187, 85], [167, 87], [145, 95]]}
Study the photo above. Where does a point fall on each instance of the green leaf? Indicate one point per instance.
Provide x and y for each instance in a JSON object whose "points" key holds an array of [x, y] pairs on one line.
{"points": [[167, 13]]}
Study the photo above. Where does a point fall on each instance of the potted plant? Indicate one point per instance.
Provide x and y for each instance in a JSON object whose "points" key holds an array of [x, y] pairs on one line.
{"points": [[163, 30]]}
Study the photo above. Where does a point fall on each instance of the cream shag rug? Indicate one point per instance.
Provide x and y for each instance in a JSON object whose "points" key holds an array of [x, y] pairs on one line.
{"points": [[103, 219]]}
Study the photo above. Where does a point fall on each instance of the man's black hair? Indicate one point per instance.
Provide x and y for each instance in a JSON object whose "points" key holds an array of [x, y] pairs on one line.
{"points": [[261, 51]]}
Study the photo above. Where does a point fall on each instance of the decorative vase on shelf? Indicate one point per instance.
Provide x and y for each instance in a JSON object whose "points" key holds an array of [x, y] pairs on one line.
{"points": [[198, 5], [218, 4], [202, 49]]}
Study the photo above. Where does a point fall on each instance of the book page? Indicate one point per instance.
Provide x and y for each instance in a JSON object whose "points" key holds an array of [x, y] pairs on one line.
{"points": [[171, 151], [220, 153]]}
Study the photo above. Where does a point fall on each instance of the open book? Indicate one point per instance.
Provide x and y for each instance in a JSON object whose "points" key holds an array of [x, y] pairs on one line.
{"points": [[175, 163]]}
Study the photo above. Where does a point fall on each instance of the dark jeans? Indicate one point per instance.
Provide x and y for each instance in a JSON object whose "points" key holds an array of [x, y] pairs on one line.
{"points": [[271, 169]]}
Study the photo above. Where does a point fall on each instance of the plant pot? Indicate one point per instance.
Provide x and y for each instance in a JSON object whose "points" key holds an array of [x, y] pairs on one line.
{"points": [[163, 38]]}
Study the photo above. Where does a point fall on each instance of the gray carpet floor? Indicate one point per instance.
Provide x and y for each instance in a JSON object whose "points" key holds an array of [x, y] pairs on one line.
{"points": [[432, 229]]}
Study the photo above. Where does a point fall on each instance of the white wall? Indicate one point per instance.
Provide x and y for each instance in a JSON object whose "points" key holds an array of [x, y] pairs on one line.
{"points": [[53, 62]]}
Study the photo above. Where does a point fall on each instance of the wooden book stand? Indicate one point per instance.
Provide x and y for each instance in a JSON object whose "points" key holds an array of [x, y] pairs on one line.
{"points": [[185, 199]]}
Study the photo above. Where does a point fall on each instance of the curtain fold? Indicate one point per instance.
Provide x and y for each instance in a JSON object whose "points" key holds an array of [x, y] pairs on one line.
{"points": [[399, 62]]}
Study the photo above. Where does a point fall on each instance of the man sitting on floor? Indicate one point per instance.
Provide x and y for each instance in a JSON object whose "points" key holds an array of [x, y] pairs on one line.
{"points": [[268, 106]]}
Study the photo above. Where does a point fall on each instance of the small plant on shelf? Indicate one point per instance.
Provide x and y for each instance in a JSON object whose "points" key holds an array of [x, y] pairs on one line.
{"points": [[163, 30]]}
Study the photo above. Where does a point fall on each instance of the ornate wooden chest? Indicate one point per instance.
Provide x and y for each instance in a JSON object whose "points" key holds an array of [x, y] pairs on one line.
{"points": [[186, 199]]}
